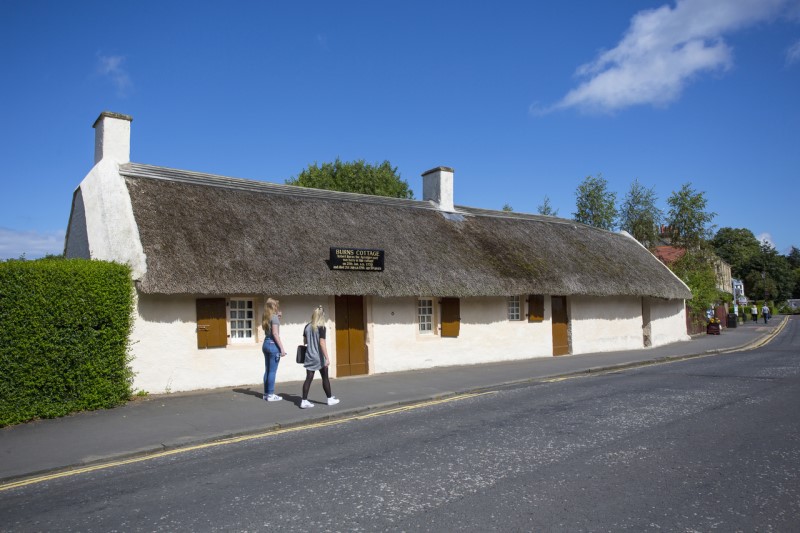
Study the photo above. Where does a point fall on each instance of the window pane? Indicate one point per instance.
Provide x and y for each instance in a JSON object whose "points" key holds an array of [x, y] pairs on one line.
{"points": [[425, 315], [241, 319], [514, 308]]}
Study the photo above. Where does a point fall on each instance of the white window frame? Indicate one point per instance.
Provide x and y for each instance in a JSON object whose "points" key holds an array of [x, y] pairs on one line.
{"points": [[425, 322], [239, 331], [514, 308]]}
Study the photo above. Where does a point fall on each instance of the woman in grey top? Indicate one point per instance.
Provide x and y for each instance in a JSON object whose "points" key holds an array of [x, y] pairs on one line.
{"points": [[316, 357]]}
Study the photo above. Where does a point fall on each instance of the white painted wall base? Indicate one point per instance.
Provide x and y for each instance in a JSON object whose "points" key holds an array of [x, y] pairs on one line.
{"points": [[605, 324], [668, 321], [166, 357]]}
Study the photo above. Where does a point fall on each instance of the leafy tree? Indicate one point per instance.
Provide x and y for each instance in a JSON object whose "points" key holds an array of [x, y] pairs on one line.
{"points": [[354, 176], [639, 215], [794, 258], [737, 246], [794, 264], [596, 205], [697, 271], [546, 209], [507, 208], [688, 220], [769, 275]]}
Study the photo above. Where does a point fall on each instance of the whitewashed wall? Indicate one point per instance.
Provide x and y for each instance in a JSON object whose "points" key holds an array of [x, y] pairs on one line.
{"points": [[102, 225], [668, 321], [166, 357], [486, 335], [605, 324]]}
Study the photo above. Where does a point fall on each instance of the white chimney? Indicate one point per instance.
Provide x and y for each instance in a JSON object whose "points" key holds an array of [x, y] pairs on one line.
{"points": [[437, 187], [112, 137]]}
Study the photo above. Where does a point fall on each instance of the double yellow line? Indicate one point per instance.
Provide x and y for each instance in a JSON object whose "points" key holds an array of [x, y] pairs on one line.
{"points": [[231, 440]]}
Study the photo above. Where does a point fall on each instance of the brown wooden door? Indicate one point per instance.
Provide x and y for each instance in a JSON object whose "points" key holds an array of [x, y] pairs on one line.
{"points": [[560, 325], [351, 342], [451, 317], [212, 326]]}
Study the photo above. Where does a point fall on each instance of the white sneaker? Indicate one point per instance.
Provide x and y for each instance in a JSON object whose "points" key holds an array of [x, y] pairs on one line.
{"points": [[274, 398], [333, 400], [305, 404]]}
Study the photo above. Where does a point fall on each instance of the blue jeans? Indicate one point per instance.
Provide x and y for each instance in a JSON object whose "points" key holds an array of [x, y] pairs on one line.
{"points": [[272, 356]]}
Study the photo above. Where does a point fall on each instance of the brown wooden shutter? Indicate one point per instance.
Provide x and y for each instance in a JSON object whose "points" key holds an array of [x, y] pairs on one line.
{"points": [[212, 326], [451, 317], [535, 308]]}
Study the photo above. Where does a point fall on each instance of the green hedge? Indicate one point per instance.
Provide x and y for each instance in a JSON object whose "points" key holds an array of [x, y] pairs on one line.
{"points": [[64, 330]]}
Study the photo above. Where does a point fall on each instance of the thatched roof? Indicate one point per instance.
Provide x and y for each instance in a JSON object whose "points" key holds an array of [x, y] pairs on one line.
{"points": [[205, 234]]}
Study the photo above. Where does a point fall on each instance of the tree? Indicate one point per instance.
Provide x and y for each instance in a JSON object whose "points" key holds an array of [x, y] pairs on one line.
{"points": [[596, 205], [639, 215], [794, 264], [688, 220], [546, 209], [796, 278], [696, 270], [354, 176], [507, 208], [737, 247], [794, 257], [769, 275]]}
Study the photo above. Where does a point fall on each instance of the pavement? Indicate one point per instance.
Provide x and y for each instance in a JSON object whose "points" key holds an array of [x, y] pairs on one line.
{"points": [[158, 423]]}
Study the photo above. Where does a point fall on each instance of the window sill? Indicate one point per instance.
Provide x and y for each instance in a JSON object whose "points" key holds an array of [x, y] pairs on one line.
{"points": [[242, 345]]}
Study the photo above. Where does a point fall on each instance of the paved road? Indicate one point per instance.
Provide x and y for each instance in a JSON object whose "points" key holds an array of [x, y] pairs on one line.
{"points": [[708, 443]]}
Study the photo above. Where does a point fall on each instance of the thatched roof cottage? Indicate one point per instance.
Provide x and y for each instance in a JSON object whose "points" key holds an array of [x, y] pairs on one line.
{"points": [[406, 284]]}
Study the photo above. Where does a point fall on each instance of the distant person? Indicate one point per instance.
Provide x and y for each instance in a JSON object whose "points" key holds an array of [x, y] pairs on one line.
{"points": [[272, 348], [316, 357], [765, 312], [754, 313]]}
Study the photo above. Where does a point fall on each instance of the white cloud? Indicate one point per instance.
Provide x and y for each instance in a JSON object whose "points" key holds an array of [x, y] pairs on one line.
{"points": [[662, 51], [766, 238], [31, 243], [793, 53], [111, 68]]}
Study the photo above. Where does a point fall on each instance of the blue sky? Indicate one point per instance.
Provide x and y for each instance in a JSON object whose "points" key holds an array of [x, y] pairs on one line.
{"points": [[523, 99]]}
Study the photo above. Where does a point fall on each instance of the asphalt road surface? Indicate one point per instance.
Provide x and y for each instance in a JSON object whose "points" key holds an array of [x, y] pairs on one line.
{"points": [[699, 445]]}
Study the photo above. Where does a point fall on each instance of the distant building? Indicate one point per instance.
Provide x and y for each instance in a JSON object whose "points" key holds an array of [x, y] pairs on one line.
{"points": [[722, 271], [738, 292]]}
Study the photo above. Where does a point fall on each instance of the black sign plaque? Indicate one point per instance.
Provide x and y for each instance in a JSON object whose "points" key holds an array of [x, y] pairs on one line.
{"points": [[356, 259]]}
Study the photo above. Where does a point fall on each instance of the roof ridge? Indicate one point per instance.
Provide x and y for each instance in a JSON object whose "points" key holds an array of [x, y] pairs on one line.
{"points": [[141, 170], [479, 211]]}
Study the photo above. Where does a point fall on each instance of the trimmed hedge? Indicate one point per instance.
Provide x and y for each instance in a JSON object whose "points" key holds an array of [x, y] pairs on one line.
{"points": [[64, 330]]}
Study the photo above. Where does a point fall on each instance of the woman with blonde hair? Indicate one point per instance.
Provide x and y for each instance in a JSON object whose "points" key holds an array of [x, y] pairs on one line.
{"points": [[316, 357], [272, 348]]}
